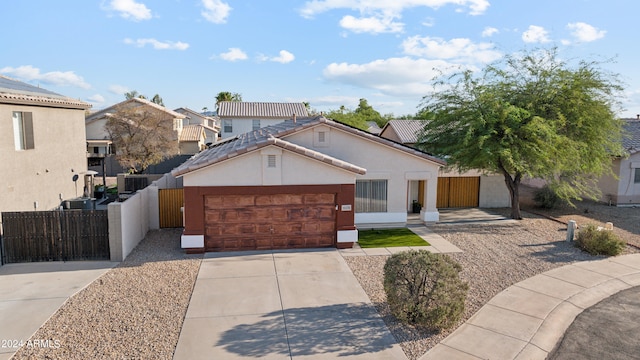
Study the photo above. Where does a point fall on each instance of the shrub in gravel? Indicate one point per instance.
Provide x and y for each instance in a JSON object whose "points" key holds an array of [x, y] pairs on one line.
{"points": [[599, 242], [546, 198], [425, 289]]}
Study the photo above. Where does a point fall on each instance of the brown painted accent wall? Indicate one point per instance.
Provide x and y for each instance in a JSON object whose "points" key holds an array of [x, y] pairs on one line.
{"points": [[194, 201]]}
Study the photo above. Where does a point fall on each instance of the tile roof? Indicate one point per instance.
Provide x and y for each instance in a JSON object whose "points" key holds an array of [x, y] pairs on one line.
{"points": [[17, 92], [106, 111], [262, 110], [275, 135], [192, 133], [407, 130], [631, 140]]}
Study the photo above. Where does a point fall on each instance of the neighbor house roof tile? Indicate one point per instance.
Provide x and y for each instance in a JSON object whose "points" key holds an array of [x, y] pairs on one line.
{"points": [[192, 133], [407, 130], [262, 110]]}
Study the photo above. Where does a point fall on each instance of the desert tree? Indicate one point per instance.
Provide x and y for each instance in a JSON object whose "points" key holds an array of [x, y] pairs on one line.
{"points": [[530, 115], [142, 136]]}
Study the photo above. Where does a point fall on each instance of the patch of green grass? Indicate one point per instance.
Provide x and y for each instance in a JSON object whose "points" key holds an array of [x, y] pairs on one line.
{"points": [[389, 238]]}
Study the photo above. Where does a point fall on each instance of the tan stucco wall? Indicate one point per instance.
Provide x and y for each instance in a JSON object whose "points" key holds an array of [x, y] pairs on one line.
{"points": [[43, 173], [95, 130], [381, 162], [251, 170], [190, 147], [622, 191]]}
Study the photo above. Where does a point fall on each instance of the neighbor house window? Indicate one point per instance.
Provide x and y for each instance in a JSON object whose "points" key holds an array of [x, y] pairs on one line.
{"points": [[255, 124], [211, 123], [636, 176], [227, 125], [371, 196], [321, 136], [23, 130]]}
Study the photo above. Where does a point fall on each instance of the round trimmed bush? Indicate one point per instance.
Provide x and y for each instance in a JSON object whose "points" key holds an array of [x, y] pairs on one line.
{"points": [[547, 198], [599, 242], [425, 289]]}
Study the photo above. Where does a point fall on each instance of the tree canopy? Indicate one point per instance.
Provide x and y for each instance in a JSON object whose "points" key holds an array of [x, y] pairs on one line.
{"points": [[227, 96], [134, 94], [531, 115], [358, 117], [142, 137]]}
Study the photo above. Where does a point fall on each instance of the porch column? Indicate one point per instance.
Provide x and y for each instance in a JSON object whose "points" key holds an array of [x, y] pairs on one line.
{"points": [[429, 212]]}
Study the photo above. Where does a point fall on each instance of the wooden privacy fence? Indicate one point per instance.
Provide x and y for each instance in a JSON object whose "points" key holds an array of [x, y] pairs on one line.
{"points": [[55, 236], [458, 192], [170, 202]]}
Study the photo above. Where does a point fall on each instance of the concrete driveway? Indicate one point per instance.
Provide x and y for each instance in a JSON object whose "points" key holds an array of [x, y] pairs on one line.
{"points": [[30, 293], [300, 304]]}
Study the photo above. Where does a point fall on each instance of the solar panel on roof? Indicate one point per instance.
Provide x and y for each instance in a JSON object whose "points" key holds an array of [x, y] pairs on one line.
{"points": [[14, 86]]}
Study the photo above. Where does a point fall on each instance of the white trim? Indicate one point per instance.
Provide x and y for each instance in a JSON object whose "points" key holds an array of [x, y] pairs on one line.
{"points": [[347, 236], [380, 218], [429, 216], [192, 241]]}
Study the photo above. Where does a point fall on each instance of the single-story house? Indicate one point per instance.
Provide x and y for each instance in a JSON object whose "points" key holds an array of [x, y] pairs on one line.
{"points": [[42, 145], [455, 189], [239, 117], [305, 182], [625, 189]]}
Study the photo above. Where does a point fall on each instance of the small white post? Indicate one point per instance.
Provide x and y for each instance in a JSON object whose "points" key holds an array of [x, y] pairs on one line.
{"points": [[571, 229]]}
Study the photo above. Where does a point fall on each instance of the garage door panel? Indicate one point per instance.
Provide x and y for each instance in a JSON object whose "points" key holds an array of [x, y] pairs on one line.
{"points": [[213, 202], [319, 199], [279, 221]]}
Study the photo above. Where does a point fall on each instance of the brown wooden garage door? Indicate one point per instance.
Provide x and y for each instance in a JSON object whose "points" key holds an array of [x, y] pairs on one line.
{"points": [[272, 221], [458, 192]]}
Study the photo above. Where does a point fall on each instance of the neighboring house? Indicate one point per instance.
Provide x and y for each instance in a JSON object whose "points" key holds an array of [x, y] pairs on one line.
{"points": [[192, 138], [625, 189], [211, 124], [373, 127], [42, 146], [305, 182], [455, 189], [239, 117]]}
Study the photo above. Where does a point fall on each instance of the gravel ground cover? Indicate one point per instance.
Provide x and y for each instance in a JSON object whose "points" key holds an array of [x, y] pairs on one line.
{"points": [[494, 257], [134, 311]]}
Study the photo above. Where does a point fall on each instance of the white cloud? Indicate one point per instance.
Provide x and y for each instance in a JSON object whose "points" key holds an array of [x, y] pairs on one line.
{"points": [[489, 31], [158, 45], [585, 32], [394, 76], [371, 25], [535, 34], [380, 16], [460, 49], [314, 7], [234, 54], [96, 99], [215, 11], [284, 57], [118, 89], [129, 9], [58, 78]]}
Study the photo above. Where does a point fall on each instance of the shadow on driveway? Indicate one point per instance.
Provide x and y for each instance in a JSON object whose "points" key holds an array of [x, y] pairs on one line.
{"points": [[339, 330]]}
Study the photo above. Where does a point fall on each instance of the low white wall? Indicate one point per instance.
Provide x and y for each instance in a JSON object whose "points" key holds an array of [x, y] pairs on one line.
{"points": [[128, 223]]}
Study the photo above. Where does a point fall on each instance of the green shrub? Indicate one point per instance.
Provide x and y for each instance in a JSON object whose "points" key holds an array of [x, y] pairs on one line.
{"points": [[425, 289], [546, 198], [603, 242]]}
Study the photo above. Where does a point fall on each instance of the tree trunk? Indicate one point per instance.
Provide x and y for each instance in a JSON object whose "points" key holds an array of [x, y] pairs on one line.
{"points": [[513, 185]]}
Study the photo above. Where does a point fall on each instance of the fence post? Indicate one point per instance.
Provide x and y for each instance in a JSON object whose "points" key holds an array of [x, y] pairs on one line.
{"points": [[571, 228]]}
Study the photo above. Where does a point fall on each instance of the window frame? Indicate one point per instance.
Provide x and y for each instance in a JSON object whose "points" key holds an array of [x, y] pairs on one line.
{"points": [[371, 196], [227, 125], [255, 122], [23, 130], [636, 176]]}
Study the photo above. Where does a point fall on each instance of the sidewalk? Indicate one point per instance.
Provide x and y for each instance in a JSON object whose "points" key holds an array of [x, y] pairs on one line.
{"points": [[30, 293], [527, 320]]}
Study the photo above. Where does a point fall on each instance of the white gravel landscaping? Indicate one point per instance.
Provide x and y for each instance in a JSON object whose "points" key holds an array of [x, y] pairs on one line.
{"points": [[134, 311], [494, 257]]}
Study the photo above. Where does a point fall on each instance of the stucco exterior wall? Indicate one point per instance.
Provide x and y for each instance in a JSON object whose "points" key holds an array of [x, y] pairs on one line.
{"points": [[396, 166], [622, 191], [241, 126], [43, 174], [95, 130], [251, 170], [493, 192]]}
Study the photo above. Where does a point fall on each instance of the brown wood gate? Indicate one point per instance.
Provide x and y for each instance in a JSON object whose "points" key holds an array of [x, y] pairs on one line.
{"points": [[55, 236], [170, 202], [458, 192]]}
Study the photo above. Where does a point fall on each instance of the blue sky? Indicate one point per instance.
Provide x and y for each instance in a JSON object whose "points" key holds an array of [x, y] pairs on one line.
{"points": [[327, 52]]}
